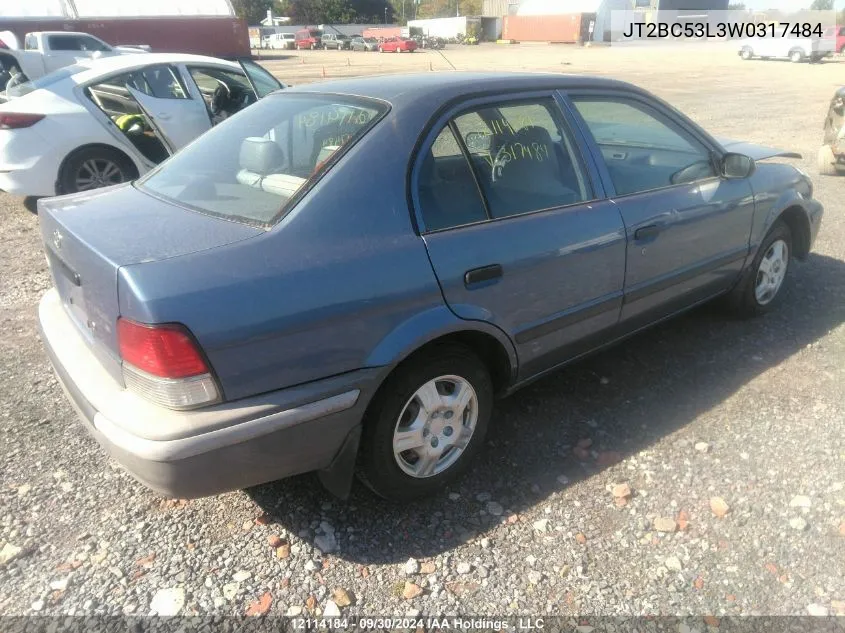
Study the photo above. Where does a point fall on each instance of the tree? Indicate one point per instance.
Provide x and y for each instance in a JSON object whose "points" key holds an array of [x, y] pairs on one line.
{"points": [[822, 5], [736, 6], [253, 11]]}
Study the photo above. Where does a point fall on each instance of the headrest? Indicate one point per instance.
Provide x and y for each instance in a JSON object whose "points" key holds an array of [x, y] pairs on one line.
{"points": [[261, 155]]}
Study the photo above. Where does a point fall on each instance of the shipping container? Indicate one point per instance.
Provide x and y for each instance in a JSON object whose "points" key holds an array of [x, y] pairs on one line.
{"points": [[568, 28], [204, 27]]}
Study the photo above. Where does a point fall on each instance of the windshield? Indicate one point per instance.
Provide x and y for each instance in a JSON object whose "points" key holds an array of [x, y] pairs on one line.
{"points": [[253, 167], [45, 81]]}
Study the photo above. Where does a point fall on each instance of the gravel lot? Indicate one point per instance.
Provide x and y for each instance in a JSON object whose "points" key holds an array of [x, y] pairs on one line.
{"points": [[704, 407]]}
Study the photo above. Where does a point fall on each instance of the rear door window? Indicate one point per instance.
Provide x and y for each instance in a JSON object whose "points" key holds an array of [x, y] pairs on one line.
{"points": [[115, 101], [521, 159]]}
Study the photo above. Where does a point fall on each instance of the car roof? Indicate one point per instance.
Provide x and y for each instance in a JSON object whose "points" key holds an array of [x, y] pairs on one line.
{"points": [[106, 65], [443, 87]]}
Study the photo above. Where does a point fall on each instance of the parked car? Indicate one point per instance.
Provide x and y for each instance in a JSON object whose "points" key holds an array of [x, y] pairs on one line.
{"points": [[832, 152], [336, 41], [397, 45], [308, 38], [271, 331], [795, 49], [282, 41], [837, 35], [46, 51], [107, 121], [364, 44]]}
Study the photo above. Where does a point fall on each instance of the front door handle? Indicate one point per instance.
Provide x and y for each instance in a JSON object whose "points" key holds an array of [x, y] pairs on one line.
{"points": [[485, 273], [647, 232]]}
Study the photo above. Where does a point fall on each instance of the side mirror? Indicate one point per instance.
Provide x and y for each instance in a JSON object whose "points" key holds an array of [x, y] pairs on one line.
{"points": [[737, 165], [477, 142]]}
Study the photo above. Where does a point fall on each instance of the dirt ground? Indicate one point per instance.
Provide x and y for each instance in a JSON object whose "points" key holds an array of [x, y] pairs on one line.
{"points": [[701, 407]]}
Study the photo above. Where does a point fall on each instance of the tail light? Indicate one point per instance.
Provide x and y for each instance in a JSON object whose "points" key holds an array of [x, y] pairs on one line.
{"points": [[164, 364], [16, 120]]}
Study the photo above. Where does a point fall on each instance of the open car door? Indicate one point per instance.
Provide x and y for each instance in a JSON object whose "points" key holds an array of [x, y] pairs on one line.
{"points": [[177, 121], [262, 82]]}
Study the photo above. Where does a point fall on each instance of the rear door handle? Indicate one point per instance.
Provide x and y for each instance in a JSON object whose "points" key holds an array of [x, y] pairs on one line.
{"points": [[647, 232], [485, 273]]}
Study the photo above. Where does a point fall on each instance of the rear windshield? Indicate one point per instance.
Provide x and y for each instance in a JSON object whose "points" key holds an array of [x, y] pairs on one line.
{"points": [[43, 82], [254, 166]]}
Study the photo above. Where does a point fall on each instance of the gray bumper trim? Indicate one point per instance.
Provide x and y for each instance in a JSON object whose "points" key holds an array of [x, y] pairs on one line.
{"points": [[173, 450]]}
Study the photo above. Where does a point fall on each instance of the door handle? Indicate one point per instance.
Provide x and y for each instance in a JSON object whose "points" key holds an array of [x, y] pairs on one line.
{"points": [[647, 232], [485, 273], [163, 116]]}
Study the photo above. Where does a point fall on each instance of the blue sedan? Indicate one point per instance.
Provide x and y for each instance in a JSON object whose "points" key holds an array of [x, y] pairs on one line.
{"points": [[343, 277]]}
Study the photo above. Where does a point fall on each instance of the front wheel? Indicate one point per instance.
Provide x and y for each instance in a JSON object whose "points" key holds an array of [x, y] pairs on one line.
{"points": [[760, 287], [796, 56], [426, 424], [747, 53], [94, 168], [827, 162]]}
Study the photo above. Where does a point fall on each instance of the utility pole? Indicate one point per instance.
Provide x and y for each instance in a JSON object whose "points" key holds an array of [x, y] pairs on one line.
{"points": [[457, 8], [385, 15], [403, 10]]}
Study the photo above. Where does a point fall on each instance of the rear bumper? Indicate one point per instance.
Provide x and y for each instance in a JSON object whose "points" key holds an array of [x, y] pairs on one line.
{"points": [[29, 164], [189, 454]]}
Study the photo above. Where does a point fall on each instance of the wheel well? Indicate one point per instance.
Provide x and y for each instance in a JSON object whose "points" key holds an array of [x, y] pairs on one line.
{"points": [[491, 352], [799, 226], [83, 148]]}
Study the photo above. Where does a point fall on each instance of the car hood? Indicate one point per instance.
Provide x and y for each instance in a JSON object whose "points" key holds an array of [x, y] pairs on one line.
{"points": [[757, 152]]}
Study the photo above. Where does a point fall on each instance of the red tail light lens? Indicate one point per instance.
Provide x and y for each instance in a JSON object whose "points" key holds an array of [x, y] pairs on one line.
{"points": [[162, 350], [15, 121]]}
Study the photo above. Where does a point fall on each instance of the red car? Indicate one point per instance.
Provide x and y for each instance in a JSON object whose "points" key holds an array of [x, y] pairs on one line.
{"points": [[308, 38], [397, 45], [839, 33]]}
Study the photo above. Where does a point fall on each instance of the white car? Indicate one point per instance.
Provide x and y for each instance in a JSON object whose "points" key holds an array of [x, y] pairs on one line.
{"points": [[283, 41], [102, 122], [796, 49]]}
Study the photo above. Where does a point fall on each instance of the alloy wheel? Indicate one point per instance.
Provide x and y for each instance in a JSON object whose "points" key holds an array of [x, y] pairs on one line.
{"points": [[98, 172]]}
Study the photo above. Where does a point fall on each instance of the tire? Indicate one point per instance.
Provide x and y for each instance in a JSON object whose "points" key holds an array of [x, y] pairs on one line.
{"points": [[380, 49], [390, 475], [796, 56], [113, 167], [747, 53], [744, 300], [826, 162]]}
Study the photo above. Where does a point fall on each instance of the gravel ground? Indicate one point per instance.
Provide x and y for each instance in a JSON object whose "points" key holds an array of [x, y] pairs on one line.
{"points": [[729, 435]]}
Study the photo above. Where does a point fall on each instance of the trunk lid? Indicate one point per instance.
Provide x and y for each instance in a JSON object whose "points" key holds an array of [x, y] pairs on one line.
{"points": [[89, 236]]}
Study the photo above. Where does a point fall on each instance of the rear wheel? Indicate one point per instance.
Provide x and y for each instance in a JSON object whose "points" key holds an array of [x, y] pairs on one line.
{"points": [[796, 56], [747, 53], [95, 167], [426, 424]]}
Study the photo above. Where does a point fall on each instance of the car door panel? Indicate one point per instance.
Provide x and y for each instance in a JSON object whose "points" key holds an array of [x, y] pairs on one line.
{"points": [[177, 121], [548, 278], [562, 275], [686, 241], [698, 248]]}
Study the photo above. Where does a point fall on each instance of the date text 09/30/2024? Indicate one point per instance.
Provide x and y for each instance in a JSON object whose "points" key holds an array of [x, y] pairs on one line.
{"points": [[412, 624]]}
